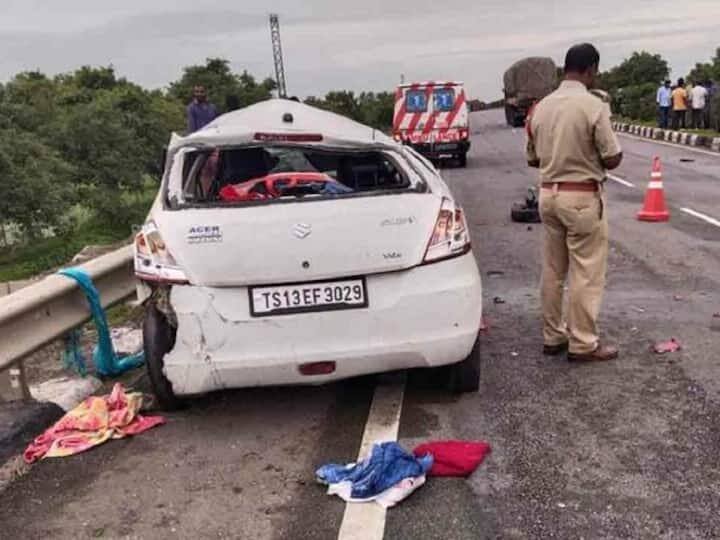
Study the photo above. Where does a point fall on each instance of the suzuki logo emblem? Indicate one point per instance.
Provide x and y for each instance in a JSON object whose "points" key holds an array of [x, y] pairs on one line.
{"points": [[302, 230]]}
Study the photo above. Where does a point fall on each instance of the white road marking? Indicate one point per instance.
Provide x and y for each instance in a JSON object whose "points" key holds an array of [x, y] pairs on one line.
{"points": [[621, 180], [673, 145], [366, 521], [700, 215]]}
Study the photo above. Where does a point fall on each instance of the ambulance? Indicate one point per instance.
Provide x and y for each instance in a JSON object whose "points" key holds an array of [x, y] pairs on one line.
{"points": [[433, 118]]}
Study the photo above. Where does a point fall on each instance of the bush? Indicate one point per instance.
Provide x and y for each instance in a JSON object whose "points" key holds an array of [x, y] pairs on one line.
{"points": [[637, 102]]}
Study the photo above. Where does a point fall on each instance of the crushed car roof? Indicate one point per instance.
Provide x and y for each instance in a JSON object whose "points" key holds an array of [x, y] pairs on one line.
{"points": [[270, 117]]}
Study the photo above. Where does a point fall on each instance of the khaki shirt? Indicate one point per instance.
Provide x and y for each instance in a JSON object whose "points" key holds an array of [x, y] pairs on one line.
{"points": [[569, 133]]}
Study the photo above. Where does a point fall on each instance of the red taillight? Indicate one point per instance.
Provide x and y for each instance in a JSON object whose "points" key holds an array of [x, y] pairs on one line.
{"points": [[464, 133], [288, 137], [450, 235], [153, 261], [317, 368]]}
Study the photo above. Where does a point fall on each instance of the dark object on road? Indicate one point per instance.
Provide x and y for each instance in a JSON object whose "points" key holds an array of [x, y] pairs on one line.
{"points": [[526, 82], [716, 315], [20, 421], [454, 458], [498, 300], [528, 211], [664, 347], [687, 160]]}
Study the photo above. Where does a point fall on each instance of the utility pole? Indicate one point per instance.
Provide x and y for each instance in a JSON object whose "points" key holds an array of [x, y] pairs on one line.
{"points": [[278, 56]]}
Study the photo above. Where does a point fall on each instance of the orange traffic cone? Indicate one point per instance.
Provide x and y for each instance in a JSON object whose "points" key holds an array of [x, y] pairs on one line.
{"points": [[654, 208]]}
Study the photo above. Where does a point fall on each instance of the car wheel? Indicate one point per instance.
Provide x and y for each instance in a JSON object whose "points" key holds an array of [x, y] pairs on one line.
{"points": [[158, 340], [465, 375], [520, 213], [462, 159]]}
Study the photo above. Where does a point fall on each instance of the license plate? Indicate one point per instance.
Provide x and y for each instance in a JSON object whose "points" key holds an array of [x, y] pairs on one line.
{"points": [[303, 298], [445, 146]]}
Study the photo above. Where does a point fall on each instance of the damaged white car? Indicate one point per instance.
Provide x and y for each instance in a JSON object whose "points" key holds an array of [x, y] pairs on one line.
{"points": [[290, 245]]}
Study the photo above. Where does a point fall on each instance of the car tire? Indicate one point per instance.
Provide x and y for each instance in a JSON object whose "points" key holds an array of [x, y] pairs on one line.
{"points": [[520, 213], [509, 115], [462, 159], [519, 121], [465, 375], [158, 340]]}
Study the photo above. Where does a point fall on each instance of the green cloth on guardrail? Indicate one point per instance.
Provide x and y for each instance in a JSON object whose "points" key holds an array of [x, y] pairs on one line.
{"points": [[106, 360]]}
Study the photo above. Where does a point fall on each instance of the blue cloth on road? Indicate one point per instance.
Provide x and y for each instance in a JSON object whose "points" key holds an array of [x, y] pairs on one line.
{"points": [[107, 363], [387, 465]]}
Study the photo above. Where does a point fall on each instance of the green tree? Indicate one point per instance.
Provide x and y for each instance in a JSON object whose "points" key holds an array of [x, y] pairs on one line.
{"points": [[36, 188], [707, 71], [641, 68], [222, 85]]}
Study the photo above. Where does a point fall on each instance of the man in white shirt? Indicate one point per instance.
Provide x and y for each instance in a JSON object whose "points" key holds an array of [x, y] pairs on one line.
{"points": [[699, 100], [664, 102]]}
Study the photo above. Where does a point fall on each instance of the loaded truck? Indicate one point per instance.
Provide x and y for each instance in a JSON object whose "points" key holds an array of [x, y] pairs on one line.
{"points": [[526, 82]]}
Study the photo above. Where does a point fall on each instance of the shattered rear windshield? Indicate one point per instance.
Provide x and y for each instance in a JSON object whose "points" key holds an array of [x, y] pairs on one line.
{"points": [[237, 175]]}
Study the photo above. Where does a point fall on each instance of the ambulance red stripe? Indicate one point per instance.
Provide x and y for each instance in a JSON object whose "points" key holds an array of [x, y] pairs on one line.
{"points": [[459, 102], [415, 120], [400, 115], [433, 117]]}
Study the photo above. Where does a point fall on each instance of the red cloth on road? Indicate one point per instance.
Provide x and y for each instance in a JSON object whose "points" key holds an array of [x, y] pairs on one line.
{"points": [[454, 458]]}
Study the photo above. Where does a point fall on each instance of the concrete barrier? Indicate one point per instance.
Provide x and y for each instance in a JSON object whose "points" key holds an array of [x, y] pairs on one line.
{"points": [[669, 135]]}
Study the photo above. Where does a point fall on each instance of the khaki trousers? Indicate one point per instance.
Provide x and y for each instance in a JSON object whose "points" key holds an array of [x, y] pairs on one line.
{"points": [[576, 247]]}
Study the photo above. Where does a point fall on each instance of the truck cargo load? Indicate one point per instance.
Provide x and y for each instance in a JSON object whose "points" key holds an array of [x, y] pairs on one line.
{"points": [[525, 82]]}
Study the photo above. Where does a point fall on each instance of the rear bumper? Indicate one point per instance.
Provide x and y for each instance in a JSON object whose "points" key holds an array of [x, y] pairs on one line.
{"points": [[422, 317], [435, 150]]}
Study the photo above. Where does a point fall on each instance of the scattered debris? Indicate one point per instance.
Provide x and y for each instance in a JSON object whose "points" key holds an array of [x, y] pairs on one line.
{"points": [[93, 422], [493, 273], [514, 353], [634, 329], [387, 476], [454, 458], [638, 309], [66, 392], [529, 228], [561, 505], [687, 160], [716, 315], [498, 300], [671, 346], [484, 326], [677, 298]]}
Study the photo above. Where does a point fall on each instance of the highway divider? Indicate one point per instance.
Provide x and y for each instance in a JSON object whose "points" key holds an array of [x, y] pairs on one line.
{"points": [[669, 135], [38, 314]]}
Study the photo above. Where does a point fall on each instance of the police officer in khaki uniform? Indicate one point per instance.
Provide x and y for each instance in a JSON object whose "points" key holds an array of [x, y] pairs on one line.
{"points": [[571, 141]]}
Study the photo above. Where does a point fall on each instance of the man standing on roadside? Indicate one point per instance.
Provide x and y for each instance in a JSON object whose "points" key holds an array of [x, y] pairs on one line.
{"points": [[679, 99], [699, 102], [571, 141], [200, 113], [664, 100]]}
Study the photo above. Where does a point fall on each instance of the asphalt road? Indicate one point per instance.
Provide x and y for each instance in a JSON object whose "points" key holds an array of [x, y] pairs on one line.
{"points": [[627, 449]]}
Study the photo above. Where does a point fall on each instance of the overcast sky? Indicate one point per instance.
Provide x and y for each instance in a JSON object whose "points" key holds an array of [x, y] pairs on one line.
{"points": [[338, 44]]}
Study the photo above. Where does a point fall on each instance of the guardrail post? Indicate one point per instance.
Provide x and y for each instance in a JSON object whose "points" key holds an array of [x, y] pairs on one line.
{"points": [[18, 381]]}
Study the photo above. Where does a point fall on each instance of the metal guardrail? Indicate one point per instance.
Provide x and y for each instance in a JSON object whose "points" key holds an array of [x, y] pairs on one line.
{"points": [[39, 314]]}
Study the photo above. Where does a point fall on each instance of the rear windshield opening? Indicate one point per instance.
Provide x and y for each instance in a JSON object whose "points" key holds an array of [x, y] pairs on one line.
{"points": [[268, 173]]}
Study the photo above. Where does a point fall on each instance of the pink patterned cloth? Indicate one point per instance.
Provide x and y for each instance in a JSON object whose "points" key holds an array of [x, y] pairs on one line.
{"points": [[94, 421]]}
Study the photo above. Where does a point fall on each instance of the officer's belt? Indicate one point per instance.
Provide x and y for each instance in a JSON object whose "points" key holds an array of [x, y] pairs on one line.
{"points": [[571, 186]]}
